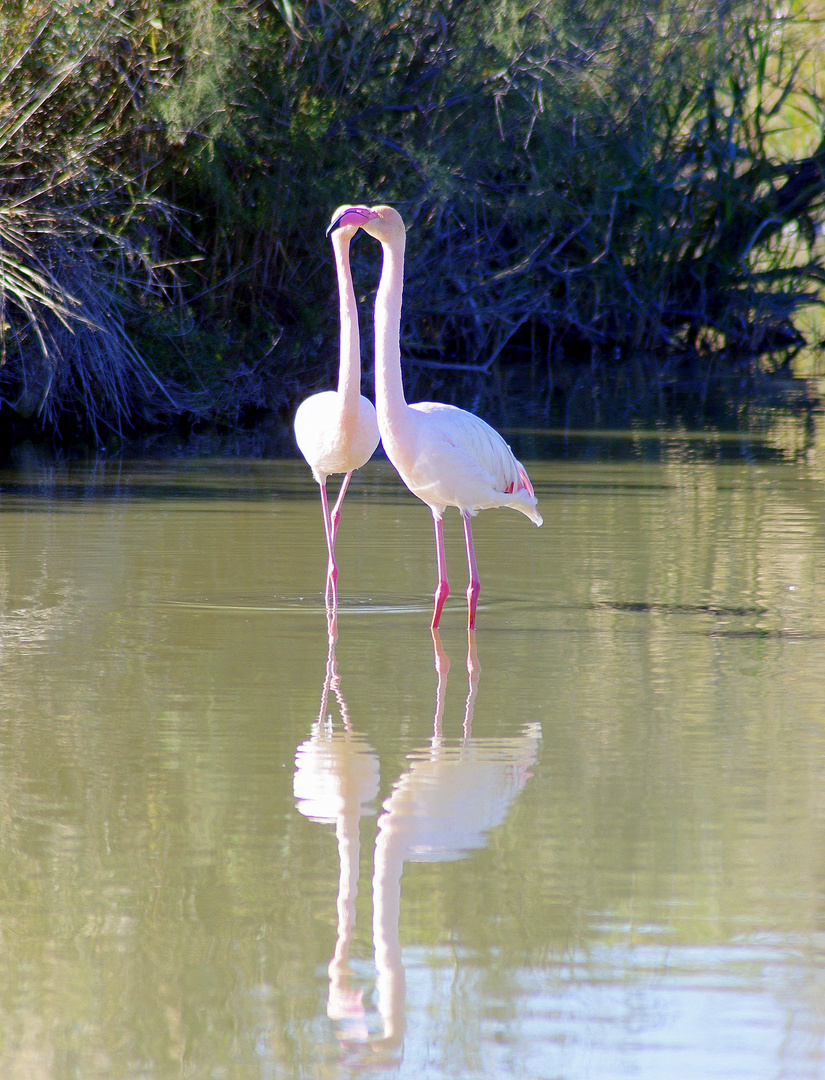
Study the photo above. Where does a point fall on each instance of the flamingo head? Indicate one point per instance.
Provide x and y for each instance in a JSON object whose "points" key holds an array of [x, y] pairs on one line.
{"points": [[350, 219], [386, 225]]}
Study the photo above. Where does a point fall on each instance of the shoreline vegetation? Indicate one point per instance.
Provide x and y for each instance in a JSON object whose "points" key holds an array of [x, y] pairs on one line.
{"points": [[615, 208]]}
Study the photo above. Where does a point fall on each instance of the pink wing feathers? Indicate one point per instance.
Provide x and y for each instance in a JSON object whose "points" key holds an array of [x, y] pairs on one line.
{"points": [[524, 481]]}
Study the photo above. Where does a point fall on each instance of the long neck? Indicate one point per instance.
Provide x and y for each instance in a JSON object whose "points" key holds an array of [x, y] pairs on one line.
{"points": [[389, 388], [349, 368], [349, 850], [386, 909]]}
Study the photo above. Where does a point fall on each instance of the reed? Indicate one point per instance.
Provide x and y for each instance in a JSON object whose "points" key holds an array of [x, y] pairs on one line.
{"points": [[76, 217]]}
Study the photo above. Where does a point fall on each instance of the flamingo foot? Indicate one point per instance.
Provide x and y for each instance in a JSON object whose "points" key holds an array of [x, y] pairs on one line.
{"points": [[441, 593], [473, 589]]}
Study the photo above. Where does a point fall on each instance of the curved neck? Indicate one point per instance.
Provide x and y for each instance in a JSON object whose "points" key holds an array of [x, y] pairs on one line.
{"points": [[349, 366], [389, 388]]}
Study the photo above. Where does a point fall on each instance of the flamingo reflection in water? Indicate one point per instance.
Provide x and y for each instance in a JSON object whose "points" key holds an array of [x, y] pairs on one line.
{"points": [[440, 809], [336, 782]]}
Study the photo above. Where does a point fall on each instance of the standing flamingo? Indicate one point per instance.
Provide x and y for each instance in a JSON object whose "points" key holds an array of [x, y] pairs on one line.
{"points": [[336, 430], [445, 456]]}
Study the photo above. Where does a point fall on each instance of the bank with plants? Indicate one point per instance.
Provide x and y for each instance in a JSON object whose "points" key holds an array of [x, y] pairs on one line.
{"points": [[614, 207]]}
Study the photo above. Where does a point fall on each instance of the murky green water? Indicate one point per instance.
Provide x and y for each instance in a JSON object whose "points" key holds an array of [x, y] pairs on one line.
{"points": [[227, 851]]}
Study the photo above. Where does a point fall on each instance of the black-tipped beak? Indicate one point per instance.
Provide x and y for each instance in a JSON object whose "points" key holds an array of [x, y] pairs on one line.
{"points": [[353, 215]]}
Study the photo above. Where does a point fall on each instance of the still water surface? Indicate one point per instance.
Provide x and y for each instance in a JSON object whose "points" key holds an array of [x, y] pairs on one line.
{"points": [[588, 844]]}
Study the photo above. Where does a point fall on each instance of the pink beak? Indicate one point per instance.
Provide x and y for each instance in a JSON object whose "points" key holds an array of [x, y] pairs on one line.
{"points": [[355, 215]]}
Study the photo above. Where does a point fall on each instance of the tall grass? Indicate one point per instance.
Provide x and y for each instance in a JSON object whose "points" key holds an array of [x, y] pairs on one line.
{"points": [[75, 216]]}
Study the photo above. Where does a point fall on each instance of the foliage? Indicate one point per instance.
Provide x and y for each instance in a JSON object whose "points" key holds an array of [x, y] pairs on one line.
{"points": [[76, 215], [586, 186], [582, 182]]}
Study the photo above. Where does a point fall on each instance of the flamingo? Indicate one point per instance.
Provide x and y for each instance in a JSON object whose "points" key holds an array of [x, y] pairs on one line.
{"points": [[336, 430], [445, 455]]}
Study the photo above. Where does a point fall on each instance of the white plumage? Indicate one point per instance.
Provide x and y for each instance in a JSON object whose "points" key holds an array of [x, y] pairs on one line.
{"points": [[459, 460], [329, 439], [445, 455], [336, 430]]}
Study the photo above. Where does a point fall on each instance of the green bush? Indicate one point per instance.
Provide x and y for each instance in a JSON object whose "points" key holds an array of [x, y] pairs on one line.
{"points": [[583, 182], [594, 191]]}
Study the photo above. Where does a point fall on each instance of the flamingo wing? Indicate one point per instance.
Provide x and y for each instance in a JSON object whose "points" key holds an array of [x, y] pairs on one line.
{"points": [[459, 460], [481, 443]]}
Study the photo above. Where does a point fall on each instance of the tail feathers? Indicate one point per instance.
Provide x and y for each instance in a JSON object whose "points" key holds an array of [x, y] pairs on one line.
{"points": [[526, 502], [534, 515]]}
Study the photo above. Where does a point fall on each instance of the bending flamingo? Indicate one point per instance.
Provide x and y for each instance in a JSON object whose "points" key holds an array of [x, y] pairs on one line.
{"points": [[445, 456], [336, 430]]}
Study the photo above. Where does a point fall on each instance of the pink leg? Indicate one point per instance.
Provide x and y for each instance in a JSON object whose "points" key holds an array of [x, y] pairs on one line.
{"points": [[335, 516], [331, 593], [331, 528], [442, 589], [474, 588]]}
